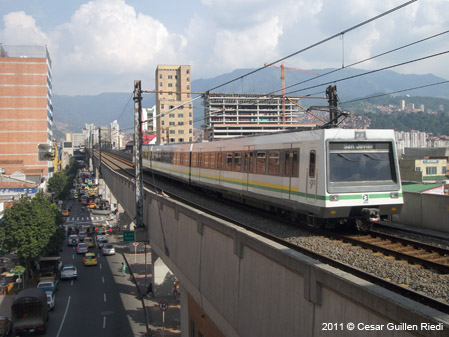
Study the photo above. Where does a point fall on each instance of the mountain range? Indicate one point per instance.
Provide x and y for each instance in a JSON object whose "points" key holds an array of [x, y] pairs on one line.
{"points": [[72, 112]]}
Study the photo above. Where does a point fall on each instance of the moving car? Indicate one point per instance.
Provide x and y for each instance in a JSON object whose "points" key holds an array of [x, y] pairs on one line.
{"points": [[51, 298], [90, 259], [65, 212], [101, 241], [81, 248], [108, 249], [89, 241], [73, 240], [69, 272], [49, 286]]}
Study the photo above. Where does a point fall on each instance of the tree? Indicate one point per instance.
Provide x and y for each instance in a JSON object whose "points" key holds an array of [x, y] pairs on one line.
{"points": [[29, 227], [57, 185]]}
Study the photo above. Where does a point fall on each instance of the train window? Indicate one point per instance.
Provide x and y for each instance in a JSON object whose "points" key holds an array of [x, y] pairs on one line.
{"points": [[237, 161], [220, 160], [273, 162], [206, 160], [229, 161], [246, 157], [185, 159], [194, 159], [312, 162], [261, 162], [213, 160]]}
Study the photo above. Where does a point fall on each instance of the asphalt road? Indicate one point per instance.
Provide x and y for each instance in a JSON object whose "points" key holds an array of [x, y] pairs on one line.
{"points": [[101, 302]]}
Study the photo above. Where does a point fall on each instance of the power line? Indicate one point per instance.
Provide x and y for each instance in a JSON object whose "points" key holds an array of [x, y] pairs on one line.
{"points": [[371, 72], [316, 44], [364, 60], [395, 92]]}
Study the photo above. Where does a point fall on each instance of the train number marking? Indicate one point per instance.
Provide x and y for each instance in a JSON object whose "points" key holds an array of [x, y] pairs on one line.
{"points": [[365, 198]]}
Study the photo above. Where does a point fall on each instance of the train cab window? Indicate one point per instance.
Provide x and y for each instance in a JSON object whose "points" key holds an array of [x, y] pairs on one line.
{"points": [[312, 162], [228, 161], [213, 160], [237, 162], [291, 163], [273, 163], [261, 162]]}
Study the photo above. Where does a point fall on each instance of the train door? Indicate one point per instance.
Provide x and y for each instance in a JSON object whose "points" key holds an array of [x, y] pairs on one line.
{"points": [[312, 176], [220, 154], [248, 164], [290, 157]]}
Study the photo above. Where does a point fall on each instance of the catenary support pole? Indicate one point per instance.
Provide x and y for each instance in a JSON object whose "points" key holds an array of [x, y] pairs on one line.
{"points": [[138, 152]]}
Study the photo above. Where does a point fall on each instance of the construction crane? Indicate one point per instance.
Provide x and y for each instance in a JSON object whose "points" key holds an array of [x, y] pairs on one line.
{"points": [[283, 68]]}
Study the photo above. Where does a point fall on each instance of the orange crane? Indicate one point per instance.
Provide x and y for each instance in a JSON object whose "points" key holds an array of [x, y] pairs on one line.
{"points": [[283, 82]]}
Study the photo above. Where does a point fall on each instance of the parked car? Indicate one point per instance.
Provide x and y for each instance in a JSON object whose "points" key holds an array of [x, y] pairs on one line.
{"points": [[73, 240], [69, 272], [5, 326], [81, 248], [90, 259], [51, 298], [108, 249], [49, 286]]}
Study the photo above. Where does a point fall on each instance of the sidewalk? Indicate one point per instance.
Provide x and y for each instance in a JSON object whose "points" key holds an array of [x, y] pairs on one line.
{"points": [[167, 324]]}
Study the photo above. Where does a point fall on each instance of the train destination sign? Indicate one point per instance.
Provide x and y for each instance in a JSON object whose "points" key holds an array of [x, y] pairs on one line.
{"points": [[359, 146]]}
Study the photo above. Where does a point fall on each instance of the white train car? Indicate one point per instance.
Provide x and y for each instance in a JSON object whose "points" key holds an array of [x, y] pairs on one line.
{"points": [[326, 176]]}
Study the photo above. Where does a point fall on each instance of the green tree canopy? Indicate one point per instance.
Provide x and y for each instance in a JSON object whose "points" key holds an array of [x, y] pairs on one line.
{"points": [[30, 227]]}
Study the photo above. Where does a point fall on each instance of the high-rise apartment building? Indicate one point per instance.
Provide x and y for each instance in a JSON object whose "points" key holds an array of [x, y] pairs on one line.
{"points": [[26, 112], [174, 113]]}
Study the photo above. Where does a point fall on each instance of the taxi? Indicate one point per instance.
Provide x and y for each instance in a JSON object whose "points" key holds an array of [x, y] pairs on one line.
{"points": [[65, 212], [90, 259], [93, 205], [89, 241]]}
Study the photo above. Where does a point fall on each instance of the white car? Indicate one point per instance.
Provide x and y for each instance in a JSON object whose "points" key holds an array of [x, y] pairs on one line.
{"points": [[51, 298], [108, 249], [49, 286], [69, 272], [81, 248]]}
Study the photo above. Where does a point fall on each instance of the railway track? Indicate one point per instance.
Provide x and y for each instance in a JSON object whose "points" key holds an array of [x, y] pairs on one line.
{"points": [[413, 252], [404, 291]]}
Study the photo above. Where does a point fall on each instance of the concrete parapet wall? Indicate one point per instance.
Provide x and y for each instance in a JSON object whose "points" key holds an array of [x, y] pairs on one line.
{"points": [[430, 211], [251, 286]]}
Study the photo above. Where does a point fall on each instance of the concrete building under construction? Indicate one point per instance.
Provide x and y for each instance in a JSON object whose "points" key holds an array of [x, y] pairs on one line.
{"points": [[234, 115]]}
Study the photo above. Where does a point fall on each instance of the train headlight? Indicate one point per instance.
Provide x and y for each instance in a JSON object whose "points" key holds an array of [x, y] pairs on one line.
{"points": [[333, 198], [394, 195]]}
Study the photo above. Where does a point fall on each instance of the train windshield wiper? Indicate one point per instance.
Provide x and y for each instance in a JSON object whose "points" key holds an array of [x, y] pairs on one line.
{"points": [[346, 158], [374, 158]]}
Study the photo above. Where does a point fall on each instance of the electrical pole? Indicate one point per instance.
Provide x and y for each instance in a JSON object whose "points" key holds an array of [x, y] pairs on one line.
{"points": [[331, 94], [99, 149], [138, 152]]}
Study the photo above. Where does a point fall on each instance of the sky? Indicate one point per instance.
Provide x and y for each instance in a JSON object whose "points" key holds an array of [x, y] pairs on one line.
{"points": [[104, 45]]}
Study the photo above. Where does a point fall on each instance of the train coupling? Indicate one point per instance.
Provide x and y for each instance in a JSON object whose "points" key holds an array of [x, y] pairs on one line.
{"points": [[371, 214]]}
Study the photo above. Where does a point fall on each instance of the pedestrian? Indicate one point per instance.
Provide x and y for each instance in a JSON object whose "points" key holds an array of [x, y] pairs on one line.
{"points": [[175, 291], [82, 209], [123, 269]]}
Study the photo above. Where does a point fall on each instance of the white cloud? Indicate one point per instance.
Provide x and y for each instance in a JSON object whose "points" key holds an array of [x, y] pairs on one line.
{"points": [[21, 29], [110, 35]]}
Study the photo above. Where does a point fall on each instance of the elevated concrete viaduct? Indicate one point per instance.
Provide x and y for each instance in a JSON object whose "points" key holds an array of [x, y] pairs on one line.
{"points": [[235, 283]]}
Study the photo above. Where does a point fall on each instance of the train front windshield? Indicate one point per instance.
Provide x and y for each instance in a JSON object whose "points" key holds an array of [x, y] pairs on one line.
{"points": [[361, 164]]}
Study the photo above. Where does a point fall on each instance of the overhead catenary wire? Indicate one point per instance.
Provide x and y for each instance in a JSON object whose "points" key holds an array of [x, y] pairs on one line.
{"points": [[364, 60], [316, 44], [370, 72]]}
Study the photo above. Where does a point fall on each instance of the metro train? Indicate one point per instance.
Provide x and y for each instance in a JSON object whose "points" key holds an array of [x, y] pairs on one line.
{"points": [[325, 177]]}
